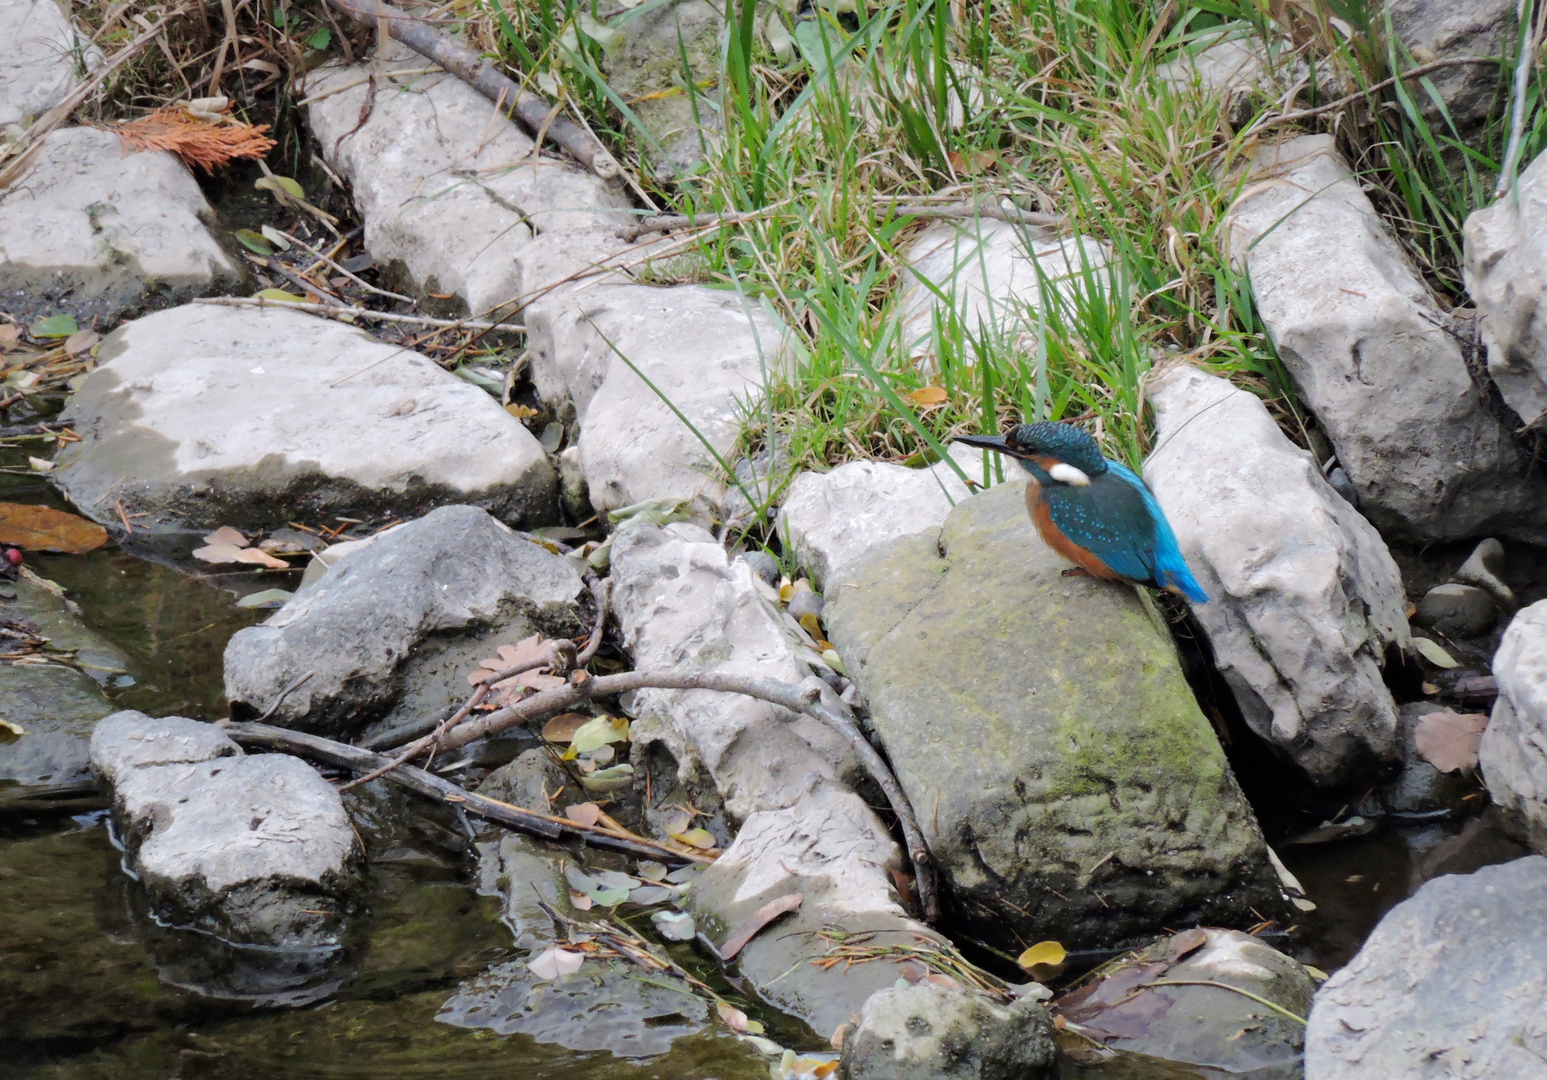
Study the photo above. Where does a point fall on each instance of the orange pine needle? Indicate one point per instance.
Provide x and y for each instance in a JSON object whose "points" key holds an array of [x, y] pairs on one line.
{"points": [[197, 141]]}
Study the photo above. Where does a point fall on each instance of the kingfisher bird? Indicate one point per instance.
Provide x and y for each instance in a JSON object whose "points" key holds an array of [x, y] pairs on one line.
{"points": [[1096, 513]]}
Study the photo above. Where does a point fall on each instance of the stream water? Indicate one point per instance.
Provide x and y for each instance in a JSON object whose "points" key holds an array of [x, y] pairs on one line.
{"points": [[91, 988]]}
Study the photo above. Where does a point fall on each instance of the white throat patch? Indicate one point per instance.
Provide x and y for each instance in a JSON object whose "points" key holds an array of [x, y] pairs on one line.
{"points": [[1068, 474]]}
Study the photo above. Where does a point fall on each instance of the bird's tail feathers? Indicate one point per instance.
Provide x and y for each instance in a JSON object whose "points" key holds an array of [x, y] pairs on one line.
{"points": [[1181, 582]]}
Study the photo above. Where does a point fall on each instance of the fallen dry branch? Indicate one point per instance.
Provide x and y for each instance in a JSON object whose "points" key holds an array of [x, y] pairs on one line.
{"points": [[519, 819], [535, 114], [585, 688], [350, 313], [194, 139]]}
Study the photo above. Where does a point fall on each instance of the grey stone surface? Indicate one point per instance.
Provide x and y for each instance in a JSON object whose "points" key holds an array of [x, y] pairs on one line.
{"points": [[401, 623], [702, 348], [530, 780], [831, 520], [1442, 29], [928, 1032], [1457, 610], [1505, 275], [446, 189], [1304, 598], [683, 605], [44, 58], [647, 70], [1197, 1025], [1073, 788], [208, 416], [1514, 746], [96, 232], [256, 850], [1371, 356], [1452, 983]]}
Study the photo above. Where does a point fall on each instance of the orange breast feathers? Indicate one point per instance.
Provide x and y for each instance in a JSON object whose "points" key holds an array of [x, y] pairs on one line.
{"points": [[1053, 538]]}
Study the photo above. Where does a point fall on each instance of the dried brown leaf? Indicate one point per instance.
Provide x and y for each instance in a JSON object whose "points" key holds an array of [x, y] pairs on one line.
{"points": [[586, 813], [562, 728], [38, 528], [229, 553], [227, 535], [759, 919], [1448, 740]]}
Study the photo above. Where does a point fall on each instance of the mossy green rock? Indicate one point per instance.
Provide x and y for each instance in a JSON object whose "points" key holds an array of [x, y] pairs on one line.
{"points": [[1065, 780]]}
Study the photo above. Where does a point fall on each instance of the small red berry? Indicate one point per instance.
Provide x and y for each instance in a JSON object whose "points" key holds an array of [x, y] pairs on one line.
{"points": [[13, 556]]}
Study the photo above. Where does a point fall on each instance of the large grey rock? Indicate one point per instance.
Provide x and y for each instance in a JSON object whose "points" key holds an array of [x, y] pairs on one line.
{"points": [[1514, 746], [1067, 784], [928, 1032], [256, 850], [1304, 598], [448, 190], [44, 58], [400, 623], [831, 520], [97, 232], [1371, 356], [209, 416], [1196, 1024], [1452, 983], [683, 605], [646, 69], [1505, 276], [705, 350], [1445, 29]]}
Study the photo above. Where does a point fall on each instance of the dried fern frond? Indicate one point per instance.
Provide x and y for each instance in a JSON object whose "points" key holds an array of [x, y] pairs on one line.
{"points": [[195, 138]]}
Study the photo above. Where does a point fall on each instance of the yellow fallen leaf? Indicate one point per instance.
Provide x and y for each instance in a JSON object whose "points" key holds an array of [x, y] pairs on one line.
{"points": [[1042, 957], [928, 395], [699, 838], [1432, 652]]}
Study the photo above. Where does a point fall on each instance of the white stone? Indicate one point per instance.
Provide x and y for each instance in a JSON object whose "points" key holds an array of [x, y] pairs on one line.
{"points": [[1514, 747], [96, 230], [830, 520], [705, 350], [210, 415], [993, 274], [1304, 598], [1371, 356], [1506, 274], [42, 59], [447, 188]]}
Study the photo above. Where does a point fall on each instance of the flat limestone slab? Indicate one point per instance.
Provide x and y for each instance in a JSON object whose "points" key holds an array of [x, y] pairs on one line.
{"points": [[96, 231], [203, 416]]}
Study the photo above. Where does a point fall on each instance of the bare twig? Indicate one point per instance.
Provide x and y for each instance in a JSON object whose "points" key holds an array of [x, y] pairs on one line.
{"points": [[283, 694], [599, 594], [351, 276], [519, 819], [530, 109], [277, 267], [970, 211], [359, 313]]}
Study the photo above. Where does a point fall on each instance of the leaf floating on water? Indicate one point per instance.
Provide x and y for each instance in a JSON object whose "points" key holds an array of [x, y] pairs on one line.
{"points": [[562, 728], [39, 528], [37, 464], [229, 553], [551, 963], [675, 925], [1448, 740], [55, 326], [1433, 653], [610, 897], [759, 919], [268, 598], [1043, 960], [586, 813], [582, 901], [227, 535], [675, 821], [646, 895], [651, 870], [702, 839]]}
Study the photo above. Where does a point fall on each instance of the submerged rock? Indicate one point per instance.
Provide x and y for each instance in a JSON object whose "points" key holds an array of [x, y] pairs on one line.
{"points": [[1064, 777], [42, 60], [207, 416], [1304, 598], [255, 850], [96, 232], [1452, 982], [1372, 358], [1166, 1002], [400, 623], [1514, 745], [928, 1032]]}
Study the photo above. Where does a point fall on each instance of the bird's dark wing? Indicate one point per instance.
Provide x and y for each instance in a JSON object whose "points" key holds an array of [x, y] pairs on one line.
{"points": [[1111, 518]]}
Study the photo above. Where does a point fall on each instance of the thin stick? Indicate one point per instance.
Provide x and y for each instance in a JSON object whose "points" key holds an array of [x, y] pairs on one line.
{"points": [[283, 694], [359, 313], [971, 211], [352, 277], [598, 594], [1530, 40], [328, 300], [519, 819]]}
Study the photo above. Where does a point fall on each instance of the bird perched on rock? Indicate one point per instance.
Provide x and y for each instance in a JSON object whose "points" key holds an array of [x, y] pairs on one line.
{"points": [[1096, 513]]}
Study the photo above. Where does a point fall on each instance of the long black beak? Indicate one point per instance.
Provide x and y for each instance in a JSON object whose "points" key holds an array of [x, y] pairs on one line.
{"points": [[995, 443]]}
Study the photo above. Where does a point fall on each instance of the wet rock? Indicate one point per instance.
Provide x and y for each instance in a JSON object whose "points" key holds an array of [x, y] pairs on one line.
{"points": [[1514, 746], [448, 190], [1504, 272], [1453, 982], [831, 520], [991, 274], [1457, 611], [44, 59], [1197, 1024], [646, 69], [1369, 352], [531, 780], [96, 232], [1304, 598], [683, 605], [703, 349], [1485, 569], [207, 416], [1073, 789], [927, 1032], [521, 872], [255, 850], [392, 630], [1443, 29], [1420, 790]]}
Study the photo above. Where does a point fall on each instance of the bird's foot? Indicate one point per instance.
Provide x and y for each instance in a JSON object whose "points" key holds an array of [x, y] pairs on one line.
{"points": [[1076, 571]]}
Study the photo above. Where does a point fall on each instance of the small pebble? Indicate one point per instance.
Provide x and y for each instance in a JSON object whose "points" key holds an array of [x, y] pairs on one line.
{"points": [[806, 603]]}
